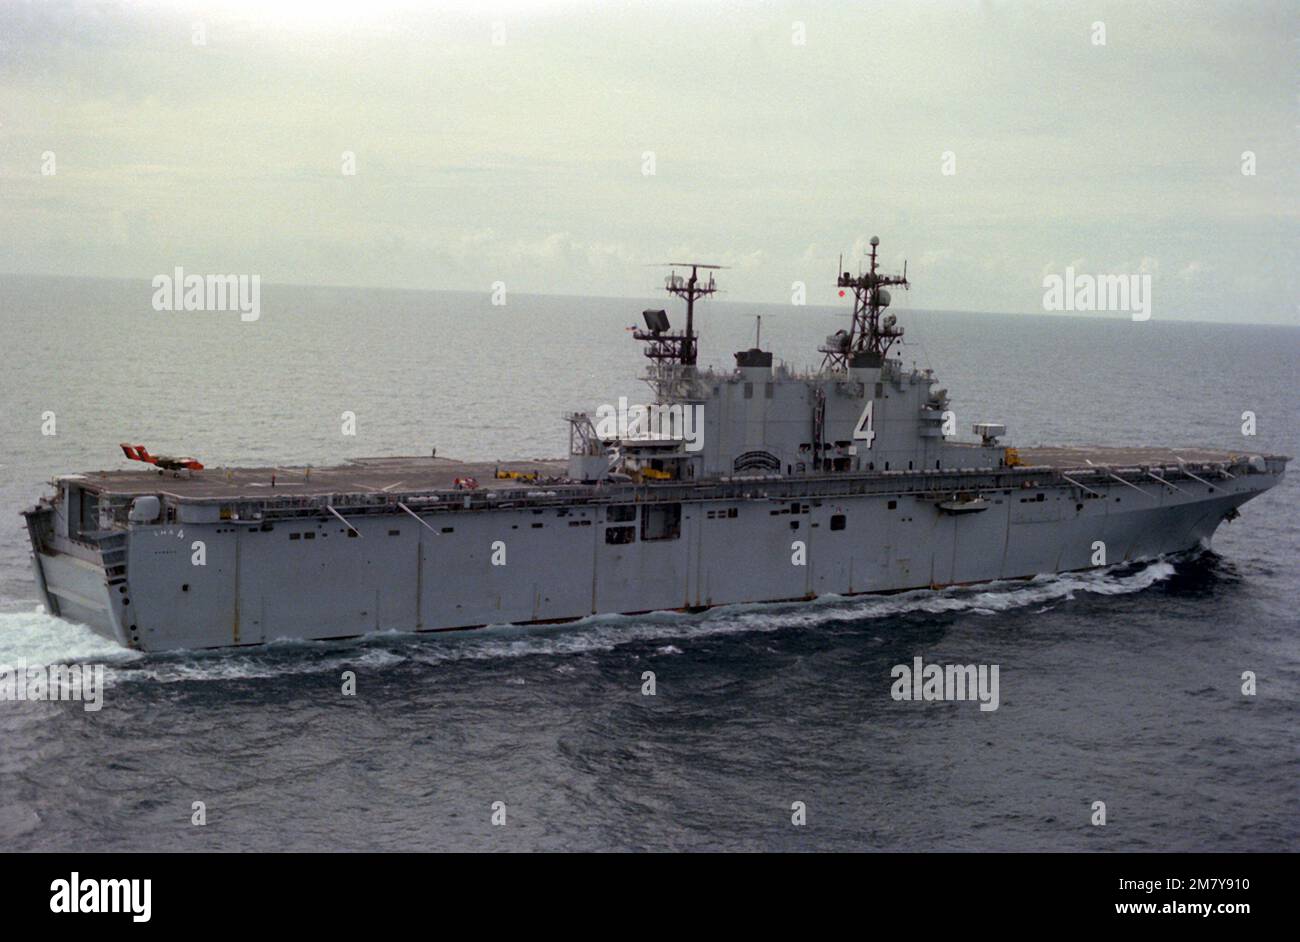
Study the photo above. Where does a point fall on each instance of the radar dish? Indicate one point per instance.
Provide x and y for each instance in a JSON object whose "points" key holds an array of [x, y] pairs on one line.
{"points": [[656, 321]]}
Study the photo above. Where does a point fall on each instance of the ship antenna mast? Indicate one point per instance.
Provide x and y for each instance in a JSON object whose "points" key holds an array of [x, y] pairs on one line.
{"points": [[870, 334], [681, 347]]}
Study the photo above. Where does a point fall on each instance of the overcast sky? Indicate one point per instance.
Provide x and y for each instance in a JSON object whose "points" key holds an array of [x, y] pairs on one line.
{"points": [[523, 159]]}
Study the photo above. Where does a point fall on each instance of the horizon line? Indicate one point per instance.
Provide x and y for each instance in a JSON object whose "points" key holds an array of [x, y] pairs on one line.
{"points": [[1106, 315]]}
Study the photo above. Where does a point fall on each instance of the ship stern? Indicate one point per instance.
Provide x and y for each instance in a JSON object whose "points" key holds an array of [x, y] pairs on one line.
{"points": [[75, 579]]}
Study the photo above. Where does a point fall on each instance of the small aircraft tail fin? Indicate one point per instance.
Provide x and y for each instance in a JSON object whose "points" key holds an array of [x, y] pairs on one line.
{"points": [[140, 453]]}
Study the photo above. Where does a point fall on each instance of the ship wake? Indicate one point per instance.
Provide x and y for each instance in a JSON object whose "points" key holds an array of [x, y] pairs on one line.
{"points": [[37, 638]]}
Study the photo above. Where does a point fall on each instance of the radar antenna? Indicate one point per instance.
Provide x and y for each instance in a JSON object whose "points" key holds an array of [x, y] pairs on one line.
{"points": [[869, 338], [680, 346]]}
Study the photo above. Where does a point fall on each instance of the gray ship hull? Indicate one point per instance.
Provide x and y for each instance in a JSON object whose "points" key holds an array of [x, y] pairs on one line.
{"points": [[750, 485], [528, 556]]}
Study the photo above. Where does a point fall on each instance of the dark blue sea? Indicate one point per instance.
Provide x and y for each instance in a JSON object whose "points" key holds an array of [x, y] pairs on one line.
{"points": [[1122, 686]]}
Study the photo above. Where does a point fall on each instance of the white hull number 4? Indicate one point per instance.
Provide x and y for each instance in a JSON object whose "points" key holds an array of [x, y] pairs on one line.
{"points": [[863, 431]]}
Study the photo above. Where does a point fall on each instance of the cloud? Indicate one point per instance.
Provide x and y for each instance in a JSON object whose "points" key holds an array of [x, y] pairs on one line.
{"points": [[522, 161]]}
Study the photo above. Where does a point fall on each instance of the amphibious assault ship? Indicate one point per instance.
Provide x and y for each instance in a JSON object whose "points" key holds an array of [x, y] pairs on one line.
{"points": [[755, 484]]}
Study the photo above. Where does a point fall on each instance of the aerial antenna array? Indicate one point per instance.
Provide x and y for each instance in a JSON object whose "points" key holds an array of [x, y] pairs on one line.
{"points": [[664, 344], [870, 333]]}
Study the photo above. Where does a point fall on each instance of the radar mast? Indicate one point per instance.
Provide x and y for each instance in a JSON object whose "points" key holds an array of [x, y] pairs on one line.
{"points": [[678, 347], [869, 338]]}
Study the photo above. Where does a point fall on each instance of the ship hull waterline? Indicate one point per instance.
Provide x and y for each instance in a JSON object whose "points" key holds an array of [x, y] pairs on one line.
{"points": [[455, 571]]}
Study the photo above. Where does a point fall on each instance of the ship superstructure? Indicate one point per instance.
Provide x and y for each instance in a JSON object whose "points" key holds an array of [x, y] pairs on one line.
{"points": [[755, 484]]}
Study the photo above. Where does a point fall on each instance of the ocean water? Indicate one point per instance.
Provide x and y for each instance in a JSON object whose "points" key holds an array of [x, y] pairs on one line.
{"points": [[1121, 686]]}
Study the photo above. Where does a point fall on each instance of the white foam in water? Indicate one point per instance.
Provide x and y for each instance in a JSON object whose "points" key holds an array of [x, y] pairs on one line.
{"points": [[605, 632], [262, 663], [40, 639]]}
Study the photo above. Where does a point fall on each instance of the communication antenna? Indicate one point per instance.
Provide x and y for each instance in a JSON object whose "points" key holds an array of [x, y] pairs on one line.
{"points": [[868, 335], [679, 347]]}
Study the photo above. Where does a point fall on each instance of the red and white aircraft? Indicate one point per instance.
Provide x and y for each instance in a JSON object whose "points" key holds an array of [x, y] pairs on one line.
{"points": [[167, 462]]}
